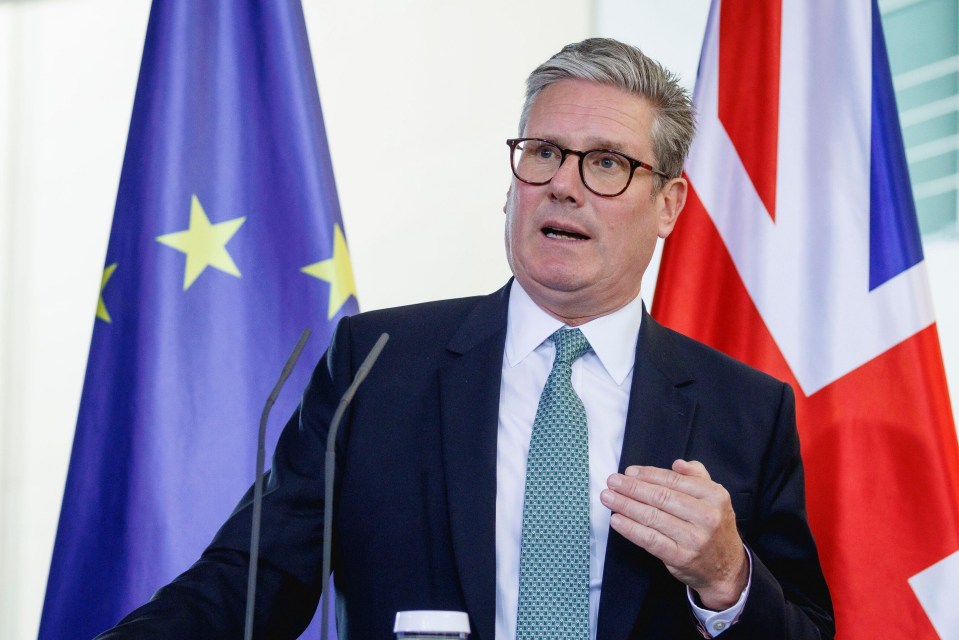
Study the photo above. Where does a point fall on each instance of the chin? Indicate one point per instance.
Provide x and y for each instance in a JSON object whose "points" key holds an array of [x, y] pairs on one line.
{"points": [[553, 282]]}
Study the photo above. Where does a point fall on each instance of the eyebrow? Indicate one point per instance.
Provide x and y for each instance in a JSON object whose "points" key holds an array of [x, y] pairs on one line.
{"points": [[594, 143]]}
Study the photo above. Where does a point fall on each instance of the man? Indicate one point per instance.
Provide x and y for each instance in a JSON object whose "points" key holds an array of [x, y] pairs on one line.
{"points": [[548, 458]]}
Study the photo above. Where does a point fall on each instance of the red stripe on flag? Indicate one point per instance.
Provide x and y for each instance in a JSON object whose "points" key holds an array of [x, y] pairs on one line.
{"points": [[879, 444], [749, 34]]}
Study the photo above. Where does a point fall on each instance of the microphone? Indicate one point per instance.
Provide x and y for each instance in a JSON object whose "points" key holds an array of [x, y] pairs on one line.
{"points": [[258, 483], [361, 374]]}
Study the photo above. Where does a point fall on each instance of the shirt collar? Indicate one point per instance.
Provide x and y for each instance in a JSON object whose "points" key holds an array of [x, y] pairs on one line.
{"points": [[613, 336]]}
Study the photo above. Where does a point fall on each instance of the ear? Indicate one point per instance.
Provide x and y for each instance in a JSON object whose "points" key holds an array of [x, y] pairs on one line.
{"points": [[509, 192], [673, 199]]}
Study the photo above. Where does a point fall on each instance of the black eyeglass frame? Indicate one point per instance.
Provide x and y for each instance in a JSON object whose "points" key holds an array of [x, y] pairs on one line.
{"points": [[564, 153]]}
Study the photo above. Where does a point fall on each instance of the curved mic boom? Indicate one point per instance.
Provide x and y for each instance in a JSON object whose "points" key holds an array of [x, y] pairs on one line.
{"points": [[361, 374], [258, 483]]}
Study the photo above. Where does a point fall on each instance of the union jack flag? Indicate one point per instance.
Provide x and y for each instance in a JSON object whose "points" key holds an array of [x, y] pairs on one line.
{"points": [[799, 253]]}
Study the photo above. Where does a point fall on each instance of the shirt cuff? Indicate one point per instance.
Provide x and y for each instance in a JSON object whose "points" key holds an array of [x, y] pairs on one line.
{"points": [[713, 623]]}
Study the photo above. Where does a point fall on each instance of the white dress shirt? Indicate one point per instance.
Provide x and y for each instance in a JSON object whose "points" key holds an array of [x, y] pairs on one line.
{"points": [[602, 378]]}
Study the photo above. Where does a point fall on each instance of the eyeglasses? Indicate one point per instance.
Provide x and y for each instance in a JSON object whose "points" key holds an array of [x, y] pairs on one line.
{"points": [[604, 172]]}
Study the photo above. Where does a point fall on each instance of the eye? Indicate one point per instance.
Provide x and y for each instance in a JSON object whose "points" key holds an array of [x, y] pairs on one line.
{"points": [[540, 150], [607, 162]]}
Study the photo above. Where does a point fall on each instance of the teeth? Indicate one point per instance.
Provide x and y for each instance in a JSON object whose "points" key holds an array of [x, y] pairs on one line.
{"points": [[557, 234]]}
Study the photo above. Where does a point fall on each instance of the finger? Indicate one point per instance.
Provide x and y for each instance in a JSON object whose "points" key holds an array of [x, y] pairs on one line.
{"points": [[675, 528], [716, 494], [691, 468], [648, 538], [676, 503], [693, 485], [683, 467], [690, 518]]}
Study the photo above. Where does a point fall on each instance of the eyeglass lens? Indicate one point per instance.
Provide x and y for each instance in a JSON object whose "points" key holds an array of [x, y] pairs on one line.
{"points": [[605, 172]]}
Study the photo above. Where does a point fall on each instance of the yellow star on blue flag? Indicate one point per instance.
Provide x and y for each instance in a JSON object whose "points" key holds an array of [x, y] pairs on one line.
{"points": [[102, 312], [337, 271], [204, 244]]}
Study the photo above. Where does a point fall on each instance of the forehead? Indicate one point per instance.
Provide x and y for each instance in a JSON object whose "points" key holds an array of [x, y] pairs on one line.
{"points": [[581, 114]]}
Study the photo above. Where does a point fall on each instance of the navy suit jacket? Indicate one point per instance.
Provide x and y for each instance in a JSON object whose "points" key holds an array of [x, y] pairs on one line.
{"points": [[415, 495]]}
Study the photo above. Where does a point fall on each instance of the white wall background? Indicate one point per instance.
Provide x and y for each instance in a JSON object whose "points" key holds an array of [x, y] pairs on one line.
{"points": [[396, 72]]}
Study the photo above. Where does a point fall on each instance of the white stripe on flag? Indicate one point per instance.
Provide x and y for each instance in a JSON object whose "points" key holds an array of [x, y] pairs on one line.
{"points": [[936, 588]]}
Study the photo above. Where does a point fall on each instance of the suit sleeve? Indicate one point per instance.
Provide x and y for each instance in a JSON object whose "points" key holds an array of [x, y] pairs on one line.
{"points": [[208, 600], [788, 598]]}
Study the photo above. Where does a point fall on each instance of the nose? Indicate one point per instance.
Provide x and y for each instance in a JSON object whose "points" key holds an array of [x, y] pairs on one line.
{"points": [[567, 185]]}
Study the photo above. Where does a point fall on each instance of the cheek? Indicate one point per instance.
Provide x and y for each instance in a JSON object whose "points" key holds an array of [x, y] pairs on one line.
{"points": [[625, 227], [632, 237], [519, 213], [512, 229], [510, 239]]}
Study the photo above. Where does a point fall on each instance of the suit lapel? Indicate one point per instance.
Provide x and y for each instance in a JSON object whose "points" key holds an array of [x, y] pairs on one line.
{"points": [[469, 396], [658, 422]]}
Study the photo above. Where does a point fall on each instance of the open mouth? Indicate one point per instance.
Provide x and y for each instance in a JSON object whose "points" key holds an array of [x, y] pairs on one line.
{"points": [[562, 234]]}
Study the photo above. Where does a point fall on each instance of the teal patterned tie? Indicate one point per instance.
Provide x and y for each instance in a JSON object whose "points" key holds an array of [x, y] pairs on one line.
{"points": [[554, 556]]}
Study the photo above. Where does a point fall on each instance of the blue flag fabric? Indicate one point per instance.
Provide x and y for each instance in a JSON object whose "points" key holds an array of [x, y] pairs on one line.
{"points": [[227, 242]]}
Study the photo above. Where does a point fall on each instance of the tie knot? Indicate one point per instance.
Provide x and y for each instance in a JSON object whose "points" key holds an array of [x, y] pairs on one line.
{"points": [[570, 344]]}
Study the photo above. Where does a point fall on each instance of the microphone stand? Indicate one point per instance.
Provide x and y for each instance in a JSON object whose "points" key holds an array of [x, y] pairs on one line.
{"points": [[361, 374], [258, 483]]}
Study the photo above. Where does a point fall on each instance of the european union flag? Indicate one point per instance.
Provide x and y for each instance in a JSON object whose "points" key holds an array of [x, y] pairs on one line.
{"points": [[227, 242]]}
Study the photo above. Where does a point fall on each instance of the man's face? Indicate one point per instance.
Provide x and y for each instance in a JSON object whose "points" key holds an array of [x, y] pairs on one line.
{"points": [[577, 254]]}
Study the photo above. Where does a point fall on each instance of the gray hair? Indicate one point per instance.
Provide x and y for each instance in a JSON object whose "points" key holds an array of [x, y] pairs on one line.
{"points": [[614, 63]]}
